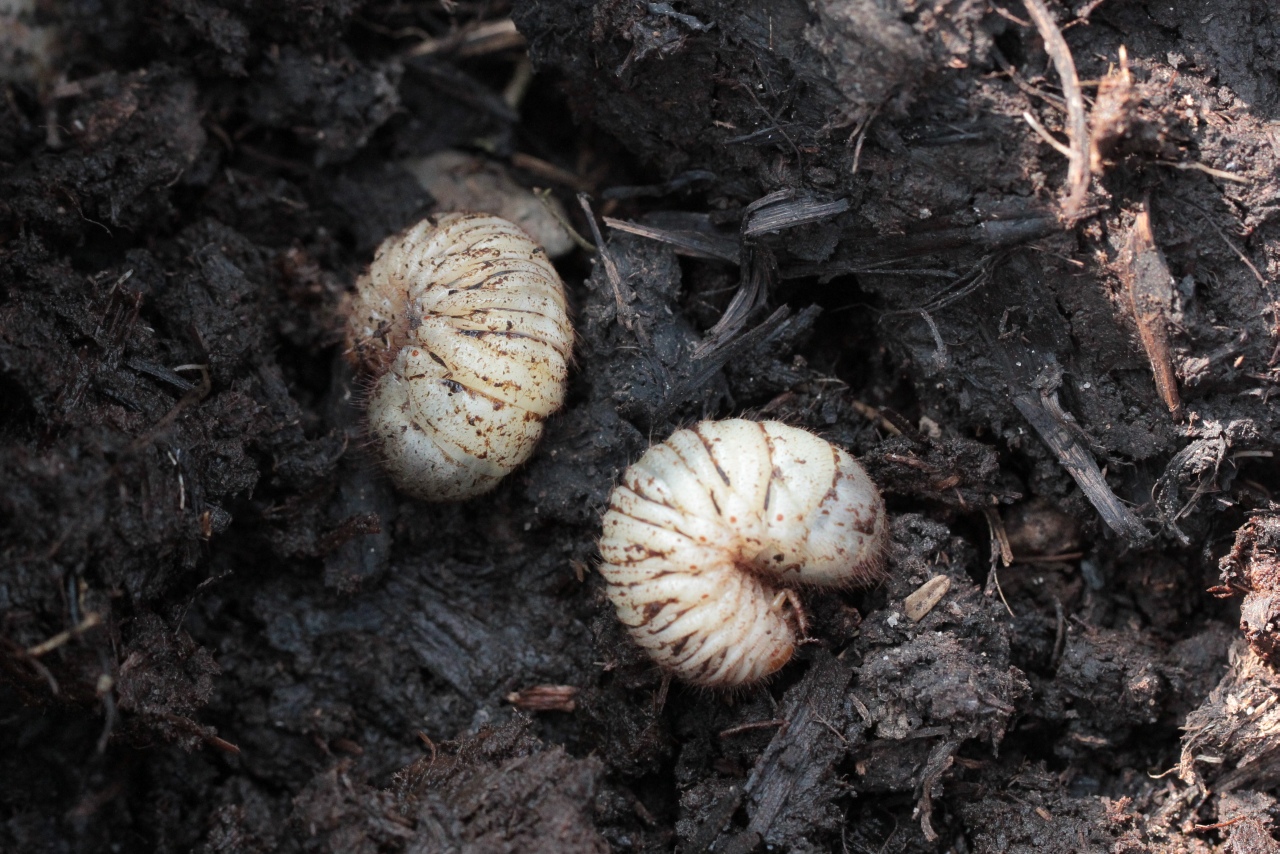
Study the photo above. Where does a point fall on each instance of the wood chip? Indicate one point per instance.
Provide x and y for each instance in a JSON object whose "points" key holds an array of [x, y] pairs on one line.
{"points": [[545, 698], [926, 597], [1149, 284]]}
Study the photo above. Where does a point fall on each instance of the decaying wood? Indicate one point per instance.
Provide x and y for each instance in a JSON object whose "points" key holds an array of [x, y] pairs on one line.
{"points": [[1149, 286], [1082, 467], [772, 213], [940, 759], [1069, 443], [788, 209], [711, 356], [545, 698], [799, 760], [1233, 740], [621, 294], [1252, 569], [689, 242]]}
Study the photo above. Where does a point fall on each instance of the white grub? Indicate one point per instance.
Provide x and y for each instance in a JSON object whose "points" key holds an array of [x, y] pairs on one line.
{"points": [[461, 321], [707, 531], [28, 50]]}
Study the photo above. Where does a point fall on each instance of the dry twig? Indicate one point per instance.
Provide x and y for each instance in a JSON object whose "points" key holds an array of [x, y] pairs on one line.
{"points": [[1077, 120]]}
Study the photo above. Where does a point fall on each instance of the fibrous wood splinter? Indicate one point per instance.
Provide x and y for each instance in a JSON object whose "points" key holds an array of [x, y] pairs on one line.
{"points": [[462, 324], [709, 530]]}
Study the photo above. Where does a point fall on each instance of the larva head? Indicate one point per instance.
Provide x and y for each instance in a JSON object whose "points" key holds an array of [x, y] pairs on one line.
{"points": [[462, 325], [706, 527]]}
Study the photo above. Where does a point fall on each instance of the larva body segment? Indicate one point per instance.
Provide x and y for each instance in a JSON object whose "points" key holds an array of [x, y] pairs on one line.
{"points": [[707, 528], [462, 323]]}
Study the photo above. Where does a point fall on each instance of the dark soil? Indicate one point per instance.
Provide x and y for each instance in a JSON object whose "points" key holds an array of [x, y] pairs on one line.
{"points": [[222, 631]]}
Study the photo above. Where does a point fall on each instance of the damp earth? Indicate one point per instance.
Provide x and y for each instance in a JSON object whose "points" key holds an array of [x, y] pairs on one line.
{"points": [[1019, 257]]}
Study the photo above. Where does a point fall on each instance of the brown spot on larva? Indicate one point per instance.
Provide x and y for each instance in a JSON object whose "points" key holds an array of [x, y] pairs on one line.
{"points": [[768, 445], [865, 525], [653, 609], [834, 492]]}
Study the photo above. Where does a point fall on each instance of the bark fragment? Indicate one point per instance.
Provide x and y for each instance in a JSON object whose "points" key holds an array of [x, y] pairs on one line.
{"points": [[1149, 287]]}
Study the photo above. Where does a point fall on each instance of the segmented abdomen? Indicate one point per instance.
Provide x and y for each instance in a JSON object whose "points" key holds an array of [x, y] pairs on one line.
{"points": [[706, 528], [463, 323]]}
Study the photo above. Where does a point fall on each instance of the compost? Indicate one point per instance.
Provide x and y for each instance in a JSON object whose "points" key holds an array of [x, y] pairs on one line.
{"points": [[1019, 257]]}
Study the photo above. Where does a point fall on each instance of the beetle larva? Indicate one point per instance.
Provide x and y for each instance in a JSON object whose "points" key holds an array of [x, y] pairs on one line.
{"points": [[461, 320], [706, 532]]}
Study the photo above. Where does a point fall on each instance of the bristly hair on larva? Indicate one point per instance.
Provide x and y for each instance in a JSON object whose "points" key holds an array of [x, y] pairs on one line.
{"points": [[462, 329], [707, 532]]}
